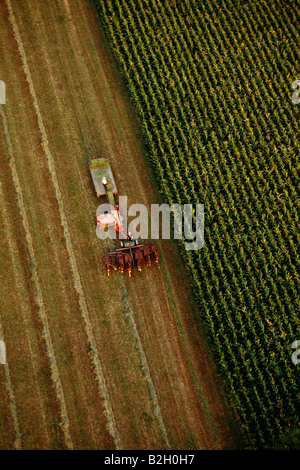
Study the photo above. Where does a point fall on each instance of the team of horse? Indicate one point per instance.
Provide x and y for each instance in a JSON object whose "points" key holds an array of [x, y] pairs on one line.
{"points": [[147, 254]]}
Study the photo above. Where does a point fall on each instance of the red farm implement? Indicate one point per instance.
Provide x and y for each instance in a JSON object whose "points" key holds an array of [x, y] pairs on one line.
{"points": [[131, 254]]}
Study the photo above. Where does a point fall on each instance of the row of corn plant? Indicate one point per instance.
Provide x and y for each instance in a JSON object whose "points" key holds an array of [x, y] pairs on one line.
{"points": [[212, 94]]}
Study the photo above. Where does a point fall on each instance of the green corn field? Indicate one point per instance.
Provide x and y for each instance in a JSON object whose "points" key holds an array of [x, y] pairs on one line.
{"points": [[212, 84]]}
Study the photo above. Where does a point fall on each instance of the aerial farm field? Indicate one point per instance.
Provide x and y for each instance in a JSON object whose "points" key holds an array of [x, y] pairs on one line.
{"points": [[190, 101], [92, 362], [212, 82]]}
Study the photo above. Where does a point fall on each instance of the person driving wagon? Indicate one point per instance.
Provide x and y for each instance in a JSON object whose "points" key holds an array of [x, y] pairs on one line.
{"points": [[105, 182]]}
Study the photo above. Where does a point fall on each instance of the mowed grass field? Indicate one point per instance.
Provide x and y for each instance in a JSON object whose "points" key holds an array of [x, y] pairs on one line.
{"points": [[212, 83], [92, 362]]}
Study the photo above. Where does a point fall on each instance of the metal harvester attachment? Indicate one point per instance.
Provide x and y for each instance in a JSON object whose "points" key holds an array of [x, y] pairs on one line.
{"points": [[131, 254]]}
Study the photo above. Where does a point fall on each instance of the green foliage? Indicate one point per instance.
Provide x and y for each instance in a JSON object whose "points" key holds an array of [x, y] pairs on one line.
{"points": [[211, 82], [288, 441]]}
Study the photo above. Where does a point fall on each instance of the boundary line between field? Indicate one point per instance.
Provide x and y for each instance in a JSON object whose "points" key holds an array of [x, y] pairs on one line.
{"points": [[106, 401]]}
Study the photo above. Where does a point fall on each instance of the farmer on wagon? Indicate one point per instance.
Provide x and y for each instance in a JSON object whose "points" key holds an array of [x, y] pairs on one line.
{"points": [[105, 182]]}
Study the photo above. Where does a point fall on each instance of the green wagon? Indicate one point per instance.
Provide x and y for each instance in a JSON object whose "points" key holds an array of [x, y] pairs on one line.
{"points": [[100, 168]]}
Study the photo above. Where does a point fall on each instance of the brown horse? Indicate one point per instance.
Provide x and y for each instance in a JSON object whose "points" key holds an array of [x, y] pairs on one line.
{"points": [[108, 264], [155, 253], [138, 258], [128, 263], [120, 262], [147, 254]]}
